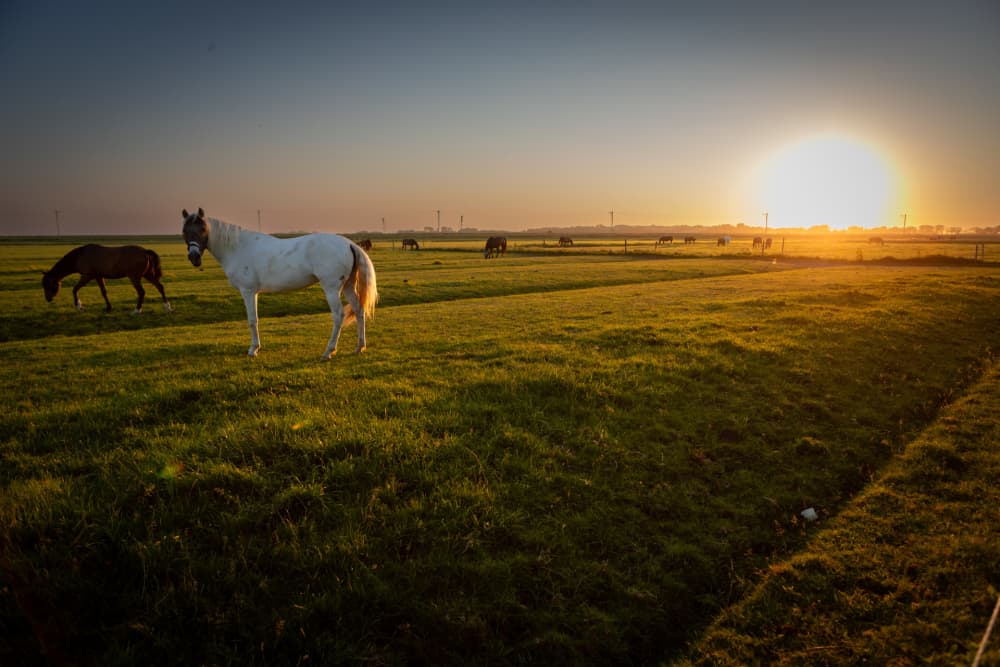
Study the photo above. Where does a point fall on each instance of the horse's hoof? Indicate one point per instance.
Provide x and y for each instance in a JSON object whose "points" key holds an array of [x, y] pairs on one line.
{"points": [[167, 308], [360, 349], [135, 312]]}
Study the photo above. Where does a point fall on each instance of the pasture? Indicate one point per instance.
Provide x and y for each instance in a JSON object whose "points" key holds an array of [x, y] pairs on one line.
{"points": [[564, 454]]}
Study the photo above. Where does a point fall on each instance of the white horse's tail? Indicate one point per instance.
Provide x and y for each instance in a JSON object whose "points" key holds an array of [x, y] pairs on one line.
{"points": [[362, 280]]}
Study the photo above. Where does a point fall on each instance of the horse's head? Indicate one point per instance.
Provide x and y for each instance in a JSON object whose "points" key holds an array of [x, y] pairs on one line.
{"points": [[195, 235], [50, 285]]}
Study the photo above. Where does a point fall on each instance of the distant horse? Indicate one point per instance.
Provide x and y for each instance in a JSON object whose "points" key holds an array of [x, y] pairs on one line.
{"points": [[767, 243], [663, 240], [876, 240], [724, 240], [256, 263], [689, 239], [97, 262], [565, 241], [758, 242], [495, 246], [411, 243], [365, 244]]}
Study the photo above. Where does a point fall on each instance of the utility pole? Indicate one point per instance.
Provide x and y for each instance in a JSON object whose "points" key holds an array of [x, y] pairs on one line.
{"points": [[383, 225], [439, 220], [258, 220], [904, 223], [461, 222], [765, 223], [612, 213], [57, 223]]}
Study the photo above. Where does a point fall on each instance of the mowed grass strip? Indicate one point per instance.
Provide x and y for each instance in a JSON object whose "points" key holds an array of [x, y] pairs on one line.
{"points": [[582, 475], [907, 574]]}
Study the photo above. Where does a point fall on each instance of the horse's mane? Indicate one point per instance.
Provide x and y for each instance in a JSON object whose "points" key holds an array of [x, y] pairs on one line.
{"points": [[223, 235], [67, 264]]}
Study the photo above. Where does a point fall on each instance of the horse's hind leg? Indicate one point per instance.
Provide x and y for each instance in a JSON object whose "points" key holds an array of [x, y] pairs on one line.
{"points": [[337, 312], [137, 284], [159, 286], [359, 315]]}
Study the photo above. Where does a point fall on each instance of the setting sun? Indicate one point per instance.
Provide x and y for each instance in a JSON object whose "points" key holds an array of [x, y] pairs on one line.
{"points": [[828, 180]]}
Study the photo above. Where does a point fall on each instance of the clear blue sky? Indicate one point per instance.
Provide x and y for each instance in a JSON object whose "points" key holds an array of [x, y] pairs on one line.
{"points": [[120, 114]]}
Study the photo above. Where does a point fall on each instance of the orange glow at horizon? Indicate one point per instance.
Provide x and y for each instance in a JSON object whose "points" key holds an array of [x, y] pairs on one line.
{"points": [[832, 180]]}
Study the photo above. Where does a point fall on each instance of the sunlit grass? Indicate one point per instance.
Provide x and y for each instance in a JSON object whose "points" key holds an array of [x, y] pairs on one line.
{"points": [[587, 469]]}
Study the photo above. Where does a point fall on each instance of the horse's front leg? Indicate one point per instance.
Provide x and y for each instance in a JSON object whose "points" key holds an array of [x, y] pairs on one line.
{"points": [[104, 293], [250, 300], [76, 298]]}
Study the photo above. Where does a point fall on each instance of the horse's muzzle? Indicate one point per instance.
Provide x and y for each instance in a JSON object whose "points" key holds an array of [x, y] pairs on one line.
{"points": [[194, 254]]}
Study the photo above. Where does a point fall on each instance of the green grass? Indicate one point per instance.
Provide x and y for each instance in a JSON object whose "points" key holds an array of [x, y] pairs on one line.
{"points": [[584, 458], [907, 574]]}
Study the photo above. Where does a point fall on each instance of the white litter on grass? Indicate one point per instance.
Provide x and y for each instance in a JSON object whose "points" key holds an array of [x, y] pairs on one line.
{"points": [[809, 514]]}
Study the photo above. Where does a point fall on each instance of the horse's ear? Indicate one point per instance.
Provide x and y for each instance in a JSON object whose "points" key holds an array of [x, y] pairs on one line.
{"points": [[184, 214], [201, 213]]}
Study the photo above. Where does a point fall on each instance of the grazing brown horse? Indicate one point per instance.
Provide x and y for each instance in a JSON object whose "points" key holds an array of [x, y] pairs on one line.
{"points": [[565, 241], [876, 240], [365, 244], [97, 262], [689, 239], [664, 240], [495, 246], [411, 243]]}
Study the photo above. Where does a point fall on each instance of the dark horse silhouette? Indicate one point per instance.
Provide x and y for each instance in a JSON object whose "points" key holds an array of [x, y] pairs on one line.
{"points": [[411, 243], [495, 246], [365, 244], [97, 262]]}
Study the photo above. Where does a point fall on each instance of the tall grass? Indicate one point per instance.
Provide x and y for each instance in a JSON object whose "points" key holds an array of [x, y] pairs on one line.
{"points": [[588, 469]]}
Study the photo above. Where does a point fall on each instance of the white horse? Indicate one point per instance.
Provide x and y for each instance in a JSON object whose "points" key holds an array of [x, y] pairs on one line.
{"points": [[256, 263]]}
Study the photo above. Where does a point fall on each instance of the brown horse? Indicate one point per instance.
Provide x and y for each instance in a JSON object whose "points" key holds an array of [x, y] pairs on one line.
{"points": [[565, 241], [97, 262], [664, 240], [411, 243], [495, 246], [365, 244]]}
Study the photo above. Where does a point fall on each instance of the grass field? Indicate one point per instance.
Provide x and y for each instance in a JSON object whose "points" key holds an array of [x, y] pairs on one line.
{"points": [[561, 455]]}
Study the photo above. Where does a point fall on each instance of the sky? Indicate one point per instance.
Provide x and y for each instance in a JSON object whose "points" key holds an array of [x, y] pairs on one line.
{"points": [[506, 115]]}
